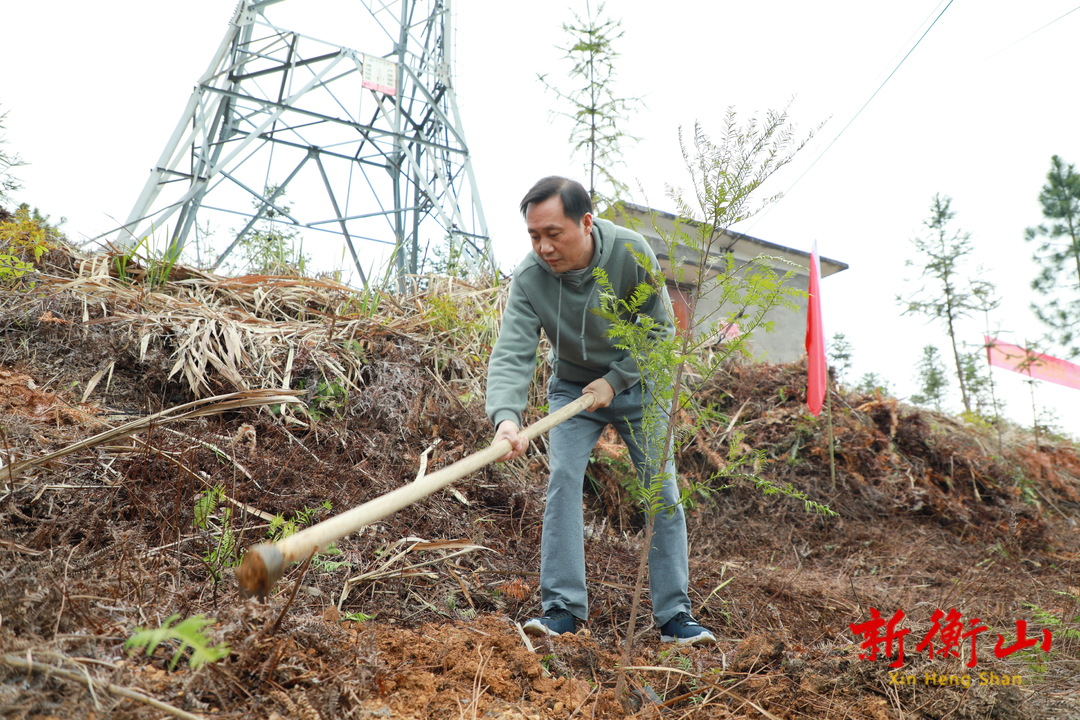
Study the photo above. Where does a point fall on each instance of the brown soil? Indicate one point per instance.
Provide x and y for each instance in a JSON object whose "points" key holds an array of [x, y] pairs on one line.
{"points": [[415, 616]]}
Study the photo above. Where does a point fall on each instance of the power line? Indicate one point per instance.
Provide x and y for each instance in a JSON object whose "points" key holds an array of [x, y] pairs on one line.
{"points": [[915, 32], [874, 95], [1038, 29], [868, 101]]}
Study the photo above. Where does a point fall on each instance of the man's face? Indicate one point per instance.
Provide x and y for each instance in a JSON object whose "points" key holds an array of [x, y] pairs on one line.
{"points": [[559, 241]]}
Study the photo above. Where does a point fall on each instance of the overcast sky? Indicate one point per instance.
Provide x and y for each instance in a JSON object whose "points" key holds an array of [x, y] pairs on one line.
{"points": [[976, 111]]}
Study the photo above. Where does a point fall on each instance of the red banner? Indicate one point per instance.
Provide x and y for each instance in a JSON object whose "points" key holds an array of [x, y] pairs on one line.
{"points": [[1033, 364]]}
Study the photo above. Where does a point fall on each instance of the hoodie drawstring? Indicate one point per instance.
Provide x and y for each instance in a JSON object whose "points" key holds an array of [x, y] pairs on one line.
{"points": [[558, 331], [581, 332], [581, 337]]}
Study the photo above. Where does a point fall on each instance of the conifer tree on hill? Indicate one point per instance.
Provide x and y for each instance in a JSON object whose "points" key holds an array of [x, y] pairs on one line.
{"points": [[947, 295], [1058, 255]]}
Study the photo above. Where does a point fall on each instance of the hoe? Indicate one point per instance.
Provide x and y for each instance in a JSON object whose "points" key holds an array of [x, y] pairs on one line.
{"points": [[264, 564]]}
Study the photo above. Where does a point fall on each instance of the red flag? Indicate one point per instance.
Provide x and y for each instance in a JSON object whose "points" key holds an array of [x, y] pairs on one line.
{"points": [[1033, 364], [816, 366]]}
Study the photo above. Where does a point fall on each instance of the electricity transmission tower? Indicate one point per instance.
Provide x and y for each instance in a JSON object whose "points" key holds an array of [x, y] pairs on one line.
{"points": [[368, 145]]}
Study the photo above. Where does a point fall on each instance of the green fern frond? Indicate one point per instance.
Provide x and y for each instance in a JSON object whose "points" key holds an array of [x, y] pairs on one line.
{"points": [[205, 505], [188, 634]]}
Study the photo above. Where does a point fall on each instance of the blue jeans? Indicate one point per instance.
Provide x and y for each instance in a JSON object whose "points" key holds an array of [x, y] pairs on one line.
{"points": [[562, 545]]}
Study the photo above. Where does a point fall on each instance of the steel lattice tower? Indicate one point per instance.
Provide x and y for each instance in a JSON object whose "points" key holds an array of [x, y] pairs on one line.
{"points": [[368, 147]]}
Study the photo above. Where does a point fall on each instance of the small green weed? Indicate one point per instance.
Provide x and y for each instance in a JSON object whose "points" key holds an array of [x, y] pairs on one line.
{"points": [[1029, 494], [327, 399], [1062, 628], [356, 348], [22, 243], [322, 564], [222, 551], [330, 399], [188, 634], [281, 528], [676, 659], [157, 269], [358, 617], [363, 304], [619, 466], [443, 314]]}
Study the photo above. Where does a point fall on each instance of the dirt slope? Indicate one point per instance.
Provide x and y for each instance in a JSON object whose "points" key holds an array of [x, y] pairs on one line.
{"points": [[414, 617]]}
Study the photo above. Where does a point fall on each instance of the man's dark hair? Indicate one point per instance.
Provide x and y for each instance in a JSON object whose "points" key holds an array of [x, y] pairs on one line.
{"points": [[575, 198]]}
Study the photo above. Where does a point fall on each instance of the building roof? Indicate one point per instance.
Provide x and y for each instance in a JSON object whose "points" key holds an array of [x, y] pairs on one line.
{"points": [[741, 245]]}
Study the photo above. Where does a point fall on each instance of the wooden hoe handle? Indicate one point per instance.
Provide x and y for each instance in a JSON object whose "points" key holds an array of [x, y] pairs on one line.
{"points": [[263, 564]]}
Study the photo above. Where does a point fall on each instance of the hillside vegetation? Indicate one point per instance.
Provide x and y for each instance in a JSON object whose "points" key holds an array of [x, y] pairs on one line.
{"points": [[150, 434]]}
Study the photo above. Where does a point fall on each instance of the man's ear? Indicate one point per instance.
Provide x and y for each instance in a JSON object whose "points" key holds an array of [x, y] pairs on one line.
{"points": [[587, 222]]}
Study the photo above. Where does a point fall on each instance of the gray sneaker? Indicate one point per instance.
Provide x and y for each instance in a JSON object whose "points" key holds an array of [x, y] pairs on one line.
{"points": [[555, 621]]}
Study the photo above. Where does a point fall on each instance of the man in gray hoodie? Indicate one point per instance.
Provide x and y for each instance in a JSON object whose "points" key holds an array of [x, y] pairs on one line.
{"points": [[554, 290]]}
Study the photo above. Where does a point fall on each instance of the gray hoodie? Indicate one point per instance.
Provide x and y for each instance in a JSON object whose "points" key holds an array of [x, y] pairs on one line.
{"points": [[561, 305]]}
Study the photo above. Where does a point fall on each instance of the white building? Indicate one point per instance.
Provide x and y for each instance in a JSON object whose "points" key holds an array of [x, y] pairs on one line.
{"points": [[786, 343]]}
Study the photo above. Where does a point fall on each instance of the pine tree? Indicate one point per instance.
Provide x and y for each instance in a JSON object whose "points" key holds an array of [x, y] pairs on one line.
{"points": [[872, 383], [1058, 253], [980, 380], [948, 297], [597, 112], [841, 352], [933, 382], [979, 383], [275, 246]]}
